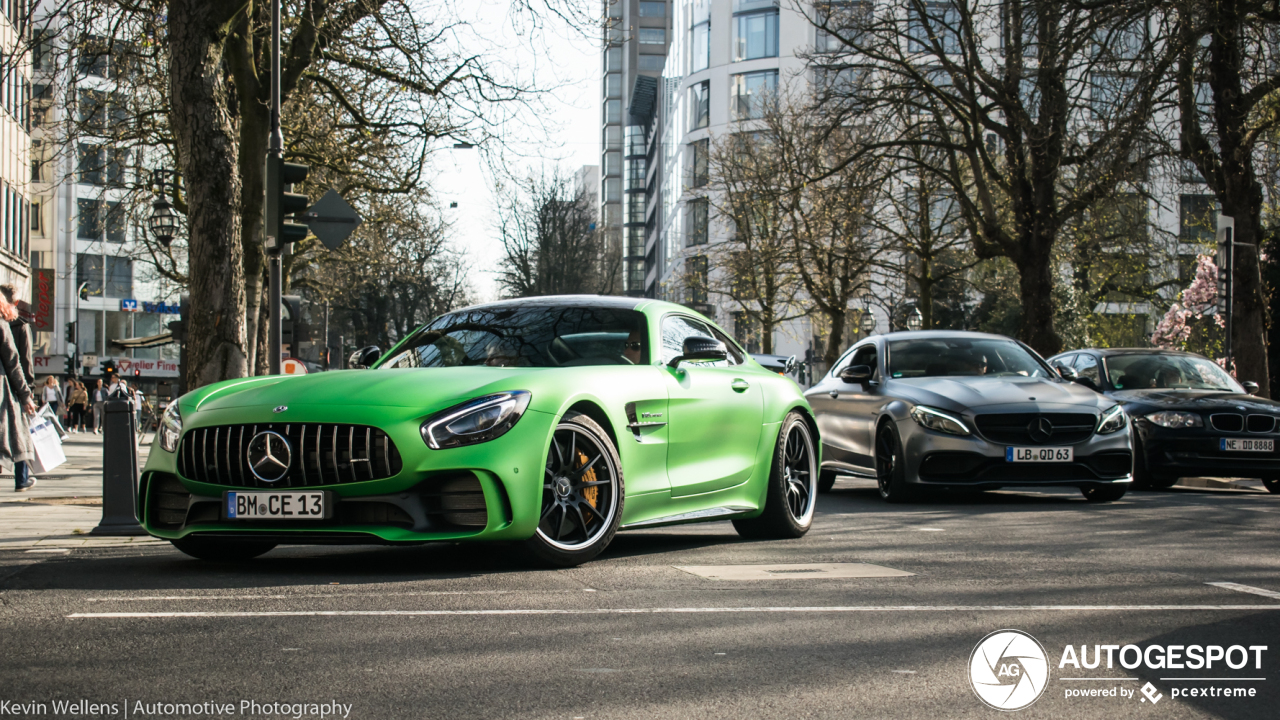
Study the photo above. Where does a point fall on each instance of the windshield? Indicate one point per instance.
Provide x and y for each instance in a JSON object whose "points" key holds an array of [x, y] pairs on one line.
{"points": [[1183, 372], [525, 336], [961, 356]]}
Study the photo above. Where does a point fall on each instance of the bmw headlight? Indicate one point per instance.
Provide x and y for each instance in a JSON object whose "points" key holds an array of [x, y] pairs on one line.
{"points": [[937, 420], [1112, 419], [475, 421], [1176, 420], [171, 428]]}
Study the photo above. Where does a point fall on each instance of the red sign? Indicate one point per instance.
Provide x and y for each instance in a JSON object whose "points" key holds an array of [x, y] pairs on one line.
{"points": [[42, 282]]}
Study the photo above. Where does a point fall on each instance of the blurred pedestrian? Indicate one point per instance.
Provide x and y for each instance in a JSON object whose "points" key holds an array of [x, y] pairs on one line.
{"points": [[53, 396], [16, 402], [19, 328], [99, 400], [79, 402]]}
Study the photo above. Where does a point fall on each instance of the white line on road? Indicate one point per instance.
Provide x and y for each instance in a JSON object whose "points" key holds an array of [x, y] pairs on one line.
{"points": [[1246, 589], [1097, 678], [678, 611], [1211, 679], [298, 596]]}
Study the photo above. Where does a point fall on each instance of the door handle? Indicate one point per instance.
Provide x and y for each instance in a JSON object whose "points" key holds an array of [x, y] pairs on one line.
{"points": [[739, 385], [834, 394]]}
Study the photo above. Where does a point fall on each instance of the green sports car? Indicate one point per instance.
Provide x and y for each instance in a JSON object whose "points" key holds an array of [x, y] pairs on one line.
{"points": [[552, 422]]}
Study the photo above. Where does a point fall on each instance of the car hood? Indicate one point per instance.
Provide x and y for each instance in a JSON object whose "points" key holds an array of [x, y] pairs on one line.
{"points": [[959, 393], [1195, 400], [426, 388]]}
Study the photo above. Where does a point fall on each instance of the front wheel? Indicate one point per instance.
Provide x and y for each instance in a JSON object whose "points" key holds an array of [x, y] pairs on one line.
{"points": [[582, 494], [1103, 493], [1272, 484], [891, 466], [793, 486], [222, 550]]}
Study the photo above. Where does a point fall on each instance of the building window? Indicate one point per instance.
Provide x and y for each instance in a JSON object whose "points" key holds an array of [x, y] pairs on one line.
{"points": [[696, 279], [1196, 221], [613, 85], [636, 176], [696, 222], [653, 36], [651, 63], [612, 112], [37, 216], [115, 222], [612, 163], [613, 190], [89, 330], [700, 105], [613, 138], [700, 36], [746, 331], [90, 164], [119, 277], [42, 50], [849, 19], [635, 208], [147, 325], [750, 91], [1108, 92], [698, 175], [92, 110], [89, 272], [653, 9], [939, 23], [613, 59], [755, 35], [89, 219]]}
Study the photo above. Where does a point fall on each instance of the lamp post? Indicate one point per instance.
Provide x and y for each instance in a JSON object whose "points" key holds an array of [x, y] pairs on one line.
{"points": [[868, 322], [915, 320], [163, 222]]}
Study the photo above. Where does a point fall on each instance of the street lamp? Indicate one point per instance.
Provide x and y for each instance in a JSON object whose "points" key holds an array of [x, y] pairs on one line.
{"points": [[915, 321], [868, 322], [163, 222]]}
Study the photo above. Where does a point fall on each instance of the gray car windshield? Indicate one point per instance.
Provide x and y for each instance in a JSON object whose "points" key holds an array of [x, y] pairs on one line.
{"points": [[947, 357], [1174, 372], [528, 336]]}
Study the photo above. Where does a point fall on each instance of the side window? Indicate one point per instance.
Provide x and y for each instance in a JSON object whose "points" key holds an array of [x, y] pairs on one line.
{"points": [[735, 355], [865, 355], [675, 328], [1087, 366]]}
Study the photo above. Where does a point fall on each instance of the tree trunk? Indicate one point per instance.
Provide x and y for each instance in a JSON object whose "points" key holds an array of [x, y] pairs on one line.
{"points": [[262, 365], [1036, 285], [925, 303], [835, 338], [206, 134]]}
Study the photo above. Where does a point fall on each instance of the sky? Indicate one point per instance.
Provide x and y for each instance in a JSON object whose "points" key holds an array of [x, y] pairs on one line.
{"points": [[558, 56]]}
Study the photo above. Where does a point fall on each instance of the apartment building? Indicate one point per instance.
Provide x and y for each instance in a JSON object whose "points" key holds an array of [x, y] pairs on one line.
{"points": [[15, 147]]}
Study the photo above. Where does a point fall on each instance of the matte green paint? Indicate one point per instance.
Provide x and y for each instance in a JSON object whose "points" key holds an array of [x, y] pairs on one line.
{"points": [[715, 452]]}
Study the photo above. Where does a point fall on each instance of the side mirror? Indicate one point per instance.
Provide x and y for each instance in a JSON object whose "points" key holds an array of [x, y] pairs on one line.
{"points": [[1067, 373], [857, 374], [364, 357], [1250, 387], [792, 365], [700, 348], [1087, 382]]}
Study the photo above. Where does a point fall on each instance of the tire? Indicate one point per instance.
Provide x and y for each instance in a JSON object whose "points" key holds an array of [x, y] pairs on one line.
{"points": [[222, 550], [1103, 493], [1272, 484], [1143, 477], [792, 492], [891, 467], [582, 495], [826, 481]]}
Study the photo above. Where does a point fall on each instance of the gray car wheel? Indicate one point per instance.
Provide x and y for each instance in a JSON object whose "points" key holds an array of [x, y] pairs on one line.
{"points": [[891, 466]]}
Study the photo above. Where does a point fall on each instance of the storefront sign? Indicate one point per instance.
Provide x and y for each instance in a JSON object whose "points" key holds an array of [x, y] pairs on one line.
{"points": [[48, 364], [145, 366], [129, 305], [42, 284], [167, 308]]}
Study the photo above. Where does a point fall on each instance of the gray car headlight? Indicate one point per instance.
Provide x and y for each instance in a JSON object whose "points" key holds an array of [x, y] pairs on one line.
{"points": [[1176, 420], [1112, 419], [171, 428], [475, 421], [935, 419]]}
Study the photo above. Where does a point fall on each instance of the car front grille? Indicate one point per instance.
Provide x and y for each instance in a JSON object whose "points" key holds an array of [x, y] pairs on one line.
{"points": [[1016, 428], [320, 454], [1227, 422], [1261, 423]]}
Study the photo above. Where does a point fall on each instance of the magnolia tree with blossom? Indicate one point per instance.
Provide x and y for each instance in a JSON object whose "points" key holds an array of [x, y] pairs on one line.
{"points": [[1190, 324]]}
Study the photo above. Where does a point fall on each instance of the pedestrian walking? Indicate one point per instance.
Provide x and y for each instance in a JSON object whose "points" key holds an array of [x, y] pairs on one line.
{"points": [[79, 402], [99, 400], [53, 396], [19, 328], [16, 401]]}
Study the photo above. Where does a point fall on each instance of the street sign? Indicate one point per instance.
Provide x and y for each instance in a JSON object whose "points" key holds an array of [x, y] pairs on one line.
{"points": [[89, 361], [332, 219], [129, 305], [292, 366]]}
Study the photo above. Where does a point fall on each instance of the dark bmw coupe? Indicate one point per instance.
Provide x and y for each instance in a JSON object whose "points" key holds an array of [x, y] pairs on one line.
{"points": [[1189, 416]]}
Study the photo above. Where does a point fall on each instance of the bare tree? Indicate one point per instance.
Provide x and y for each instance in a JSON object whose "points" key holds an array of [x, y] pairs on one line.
{"points": [[551, 241]]}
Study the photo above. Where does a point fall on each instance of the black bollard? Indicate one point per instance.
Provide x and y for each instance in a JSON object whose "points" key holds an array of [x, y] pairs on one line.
{"points": [[119, 472]]}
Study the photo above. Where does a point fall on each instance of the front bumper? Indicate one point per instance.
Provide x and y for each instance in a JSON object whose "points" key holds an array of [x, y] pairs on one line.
{"points": [[1195, 451], [489, 491], [939, 460]]}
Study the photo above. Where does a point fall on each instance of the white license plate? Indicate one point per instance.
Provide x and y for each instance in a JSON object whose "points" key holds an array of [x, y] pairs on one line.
{"points": [[275, 505], [1039, 454], [1246, 445]]}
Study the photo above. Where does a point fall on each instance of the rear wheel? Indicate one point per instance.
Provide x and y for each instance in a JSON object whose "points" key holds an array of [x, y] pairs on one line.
{"points": [[582, 494], [793, 485], [1103, 493], [222, 550], [891, 466]]}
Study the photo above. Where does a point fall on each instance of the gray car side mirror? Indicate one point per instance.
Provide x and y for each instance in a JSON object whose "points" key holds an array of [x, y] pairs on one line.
{"points": [[1250, 387], [857, 374], [700, 348], [364, 357]]}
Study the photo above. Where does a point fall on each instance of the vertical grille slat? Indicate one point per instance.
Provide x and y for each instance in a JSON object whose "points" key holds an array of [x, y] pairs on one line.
{"points": [[368, 451], [302, 453]]}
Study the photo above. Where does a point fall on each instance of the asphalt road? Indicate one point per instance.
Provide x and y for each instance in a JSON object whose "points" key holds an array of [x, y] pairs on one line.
{"points": [[367, 627]]}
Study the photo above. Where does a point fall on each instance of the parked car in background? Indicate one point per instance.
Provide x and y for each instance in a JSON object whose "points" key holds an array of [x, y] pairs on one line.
{"points": [[945, 409], [780, 364], [1189, 416]]}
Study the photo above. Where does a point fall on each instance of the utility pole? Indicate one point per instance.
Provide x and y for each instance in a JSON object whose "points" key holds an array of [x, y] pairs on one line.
{"points": [[1226, 282], [274, 244]]}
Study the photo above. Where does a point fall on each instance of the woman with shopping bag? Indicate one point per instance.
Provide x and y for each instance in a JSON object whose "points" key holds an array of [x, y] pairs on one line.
{"points": [[16, 401]]}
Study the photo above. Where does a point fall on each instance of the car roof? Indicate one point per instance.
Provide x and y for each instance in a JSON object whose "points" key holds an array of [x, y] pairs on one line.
{"points": [[940, 335], [616, 302], [1109, 352]]}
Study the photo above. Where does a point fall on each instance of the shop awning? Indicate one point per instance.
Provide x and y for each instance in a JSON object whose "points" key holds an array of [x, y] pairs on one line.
{"points": [[145, 342]]}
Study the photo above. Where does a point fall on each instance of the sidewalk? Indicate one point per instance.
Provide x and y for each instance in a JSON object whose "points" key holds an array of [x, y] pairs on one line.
{"points": [[65, 505]]}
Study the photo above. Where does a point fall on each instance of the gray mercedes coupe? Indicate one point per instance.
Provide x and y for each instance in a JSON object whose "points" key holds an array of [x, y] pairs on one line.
{"points": [[947, 409]]}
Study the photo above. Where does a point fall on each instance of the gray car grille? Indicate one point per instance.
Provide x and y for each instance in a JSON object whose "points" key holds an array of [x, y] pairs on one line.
{"points": [[321, 454], [1015, 428]]}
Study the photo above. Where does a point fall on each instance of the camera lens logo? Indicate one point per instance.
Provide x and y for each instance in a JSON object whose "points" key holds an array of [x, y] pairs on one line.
{"points": [[1008, 670]]}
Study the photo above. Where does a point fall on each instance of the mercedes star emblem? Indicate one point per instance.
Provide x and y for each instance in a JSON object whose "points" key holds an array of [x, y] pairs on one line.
{"points": [[280, 408], [269, 456], [1040, 429]]}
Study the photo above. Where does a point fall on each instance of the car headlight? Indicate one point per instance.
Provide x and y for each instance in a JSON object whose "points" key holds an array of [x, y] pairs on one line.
{"points": [[171, 428], [1112, 419], [475, 421], [1176, 420], [937, 420]]}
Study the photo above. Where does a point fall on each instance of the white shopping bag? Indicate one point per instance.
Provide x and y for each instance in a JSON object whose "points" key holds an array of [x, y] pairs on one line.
{"points": [[47, 446]]}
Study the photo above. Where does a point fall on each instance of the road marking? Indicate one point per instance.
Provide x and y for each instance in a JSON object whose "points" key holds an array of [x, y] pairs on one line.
{"points": [[682, 611], [1211, 679], [316, 595], [821, 571], [1097, 678], [1246, 589]]}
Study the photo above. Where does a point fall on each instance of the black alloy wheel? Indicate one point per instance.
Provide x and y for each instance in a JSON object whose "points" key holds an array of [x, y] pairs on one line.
{"points": [[1104, 493], [792, 493], [891, 466], [582, 494]]}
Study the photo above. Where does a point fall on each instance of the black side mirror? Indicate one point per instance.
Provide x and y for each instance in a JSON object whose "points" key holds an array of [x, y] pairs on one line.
{"points": [[364, 357], [1087, 382], [1250, 387], [1067, 373], [857, 374], [700, 348]]}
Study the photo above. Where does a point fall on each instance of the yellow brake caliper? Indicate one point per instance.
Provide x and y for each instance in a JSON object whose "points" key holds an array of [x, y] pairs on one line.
{"points": [[590, 494]]}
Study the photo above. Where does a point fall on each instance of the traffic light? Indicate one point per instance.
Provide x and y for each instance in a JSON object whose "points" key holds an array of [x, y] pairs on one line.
{"points": [[71, 331], [293, 324], [108, 369], [137, 372], [178, 328], [290, 203]]}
